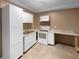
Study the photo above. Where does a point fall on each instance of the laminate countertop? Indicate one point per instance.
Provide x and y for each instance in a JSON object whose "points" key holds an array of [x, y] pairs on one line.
{"points": [[65, 32]]}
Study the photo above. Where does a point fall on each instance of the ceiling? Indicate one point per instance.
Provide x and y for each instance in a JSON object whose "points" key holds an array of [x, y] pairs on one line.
{"points": [[46, 5]]}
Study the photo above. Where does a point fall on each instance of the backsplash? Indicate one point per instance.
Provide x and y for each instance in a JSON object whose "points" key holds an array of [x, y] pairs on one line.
{"points": [[27, 28]]}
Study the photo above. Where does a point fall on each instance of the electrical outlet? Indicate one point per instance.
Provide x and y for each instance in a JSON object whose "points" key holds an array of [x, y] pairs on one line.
{"points": [[55, 26]]}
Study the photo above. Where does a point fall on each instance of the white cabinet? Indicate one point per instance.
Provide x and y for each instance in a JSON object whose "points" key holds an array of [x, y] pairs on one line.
{"points": [[51, 39], [16, 40], [12, 32], [27, 17], [29, 40], [44, 18]]}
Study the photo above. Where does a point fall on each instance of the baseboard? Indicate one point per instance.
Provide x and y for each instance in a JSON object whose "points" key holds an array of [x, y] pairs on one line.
{"points": [[20, 57], [64, 44], [51, 44]]}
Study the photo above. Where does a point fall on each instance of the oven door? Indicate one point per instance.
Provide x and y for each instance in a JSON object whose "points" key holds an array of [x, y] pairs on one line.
{"points": [[42, 37]]}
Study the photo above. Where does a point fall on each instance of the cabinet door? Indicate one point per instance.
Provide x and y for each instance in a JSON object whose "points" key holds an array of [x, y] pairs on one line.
{"points": [[16, 50], [51, 39], [44, 18], [34, 37], [27, 17], [29, 41], [26, 43], [16, 38]]}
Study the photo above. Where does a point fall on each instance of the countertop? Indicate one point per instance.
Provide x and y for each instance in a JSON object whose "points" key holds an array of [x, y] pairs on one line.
{"points": [[27, 34], [66, 32]]}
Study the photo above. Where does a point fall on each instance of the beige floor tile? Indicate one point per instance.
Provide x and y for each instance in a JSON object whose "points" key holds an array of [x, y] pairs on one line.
{"points": [[59, 51]]}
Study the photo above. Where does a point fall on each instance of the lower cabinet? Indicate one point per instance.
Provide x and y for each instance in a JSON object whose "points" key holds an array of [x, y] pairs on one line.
{"points": [[29, 41], [51, 39], [16, 50]]}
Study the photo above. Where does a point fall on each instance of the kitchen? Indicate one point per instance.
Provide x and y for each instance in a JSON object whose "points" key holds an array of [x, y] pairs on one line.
{"points": [[23, 30]]}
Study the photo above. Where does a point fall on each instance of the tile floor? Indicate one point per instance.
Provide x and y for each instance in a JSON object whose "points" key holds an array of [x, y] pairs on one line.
{"points": [[59, 51]]}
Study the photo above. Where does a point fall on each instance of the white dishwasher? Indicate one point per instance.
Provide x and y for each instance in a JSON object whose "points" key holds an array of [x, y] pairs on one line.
{"points": [[51, 38]]}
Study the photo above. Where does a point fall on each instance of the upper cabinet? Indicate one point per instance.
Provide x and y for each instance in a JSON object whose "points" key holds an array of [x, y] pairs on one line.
{"points": [[27, 17], [44, 18]]}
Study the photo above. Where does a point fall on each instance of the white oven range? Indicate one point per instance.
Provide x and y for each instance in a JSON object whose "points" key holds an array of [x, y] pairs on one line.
{"points": [[43, 37]]}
